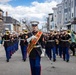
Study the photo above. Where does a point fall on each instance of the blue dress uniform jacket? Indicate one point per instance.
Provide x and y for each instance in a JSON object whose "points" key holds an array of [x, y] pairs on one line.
{"points": [[50, 47], [66, 46], [23, 44], [36, 51], [6, 37], [57, 44], [66, 43], [7, 44], [23, 38], [60, 45]]}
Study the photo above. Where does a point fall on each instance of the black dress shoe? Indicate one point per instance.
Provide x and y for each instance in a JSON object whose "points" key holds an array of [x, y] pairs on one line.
{"points": [[67, 60], [24, 60], [73, 55], [50, 58], [54, 60], [7, 60], [64, 59]]}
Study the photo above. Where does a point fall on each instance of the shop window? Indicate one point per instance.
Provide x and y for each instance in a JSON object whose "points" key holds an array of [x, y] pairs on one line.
{"points": [[72, 14]]}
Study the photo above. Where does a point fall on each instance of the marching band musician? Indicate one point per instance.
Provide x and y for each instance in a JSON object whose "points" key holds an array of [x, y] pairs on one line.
{"points": [[57, 41], [50, 46], [15, 36], [23, 43], [60, 43], [12, 50], [6, 39], [66, 44], [35, 54]]}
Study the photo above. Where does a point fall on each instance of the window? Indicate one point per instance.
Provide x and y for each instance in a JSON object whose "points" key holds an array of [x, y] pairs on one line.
{"points": [[51, 26], [72, 14], [65, 4], [65, 19], [69, 9], [65, 10], [60, 21], [75, 2], [69, 3], [69, 15], [59, 11], [66, 15], [4, 19], [72, 3]]}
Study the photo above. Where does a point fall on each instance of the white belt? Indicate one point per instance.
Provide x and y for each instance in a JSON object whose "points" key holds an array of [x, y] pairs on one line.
{"points": [[37, 46], [65, 40], [51, 40], [22, 39], [6, 40]]}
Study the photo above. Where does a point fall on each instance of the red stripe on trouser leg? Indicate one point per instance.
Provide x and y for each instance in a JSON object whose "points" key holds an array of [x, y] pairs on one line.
{"points": [[33, 71], [40, 70]]}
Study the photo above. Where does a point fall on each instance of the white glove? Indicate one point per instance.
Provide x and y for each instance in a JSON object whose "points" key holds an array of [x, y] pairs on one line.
{"points": [[32, 37]]}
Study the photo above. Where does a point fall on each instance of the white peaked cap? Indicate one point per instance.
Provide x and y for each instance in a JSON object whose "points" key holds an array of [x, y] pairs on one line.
{"points": [[64, 28], [6, 28], [34, 22], [23, 28], [48, 31]]}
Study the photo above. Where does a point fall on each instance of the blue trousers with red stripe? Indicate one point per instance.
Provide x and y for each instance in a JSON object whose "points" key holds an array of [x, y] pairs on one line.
{"points": [[7, 50], [66, 55], [35, 66], [51, 52], [48, 52], [60, 51], [24, 52]]}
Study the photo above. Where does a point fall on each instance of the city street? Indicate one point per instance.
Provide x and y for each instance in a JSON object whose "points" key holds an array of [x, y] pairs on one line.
{"points": [[17, 67]]}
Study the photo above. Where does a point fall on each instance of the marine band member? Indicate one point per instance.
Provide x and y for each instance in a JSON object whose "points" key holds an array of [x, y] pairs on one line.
{"points": [[23, 43], [50, 46], [35, 54], [6, 39], [66, 45]]}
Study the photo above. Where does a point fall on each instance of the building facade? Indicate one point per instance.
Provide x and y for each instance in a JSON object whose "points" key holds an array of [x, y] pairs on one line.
{"points": [[73, 15], [55, 16], [70, 14], [8, 22], [11, 23], [50, 22], [1, 21], [65, 13], [58, 16]]}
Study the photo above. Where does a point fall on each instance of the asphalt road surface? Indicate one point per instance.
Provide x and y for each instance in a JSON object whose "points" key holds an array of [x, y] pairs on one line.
{"points": [[17, 67]]}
